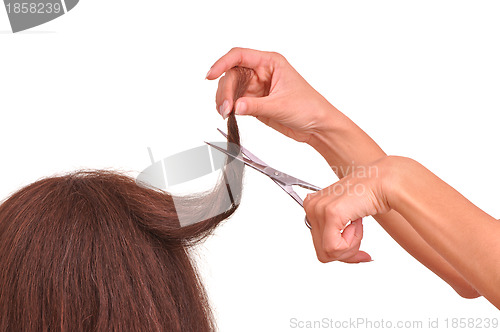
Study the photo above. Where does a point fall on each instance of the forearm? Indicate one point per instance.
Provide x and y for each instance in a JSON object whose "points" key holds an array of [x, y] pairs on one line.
{"points": [[406, 236], [463, 234], [345, 146]]}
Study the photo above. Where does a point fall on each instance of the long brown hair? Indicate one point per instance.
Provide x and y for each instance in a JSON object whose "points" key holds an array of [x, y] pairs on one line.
{"points": [[94, 250]]}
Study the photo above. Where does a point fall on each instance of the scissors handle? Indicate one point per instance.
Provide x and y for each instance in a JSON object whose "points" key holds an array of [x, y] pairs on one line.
{"points": [[289, 189], [307, 222], [297, 198], [305, 217]]}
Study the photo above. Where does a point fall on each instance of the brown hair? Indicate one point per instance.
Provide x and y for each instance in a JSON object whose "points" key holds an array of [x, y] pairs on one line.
{"points": [[94, 250]]}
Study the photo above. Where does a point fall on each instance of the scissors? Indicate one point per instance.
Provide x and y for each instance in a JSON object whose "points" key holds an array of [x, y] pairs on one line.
{"points": [[285, 181]]}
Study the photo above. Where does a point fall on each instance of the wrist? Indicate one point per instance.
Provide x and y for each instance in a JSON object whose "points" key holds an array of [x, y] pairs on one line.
{"points": [[395, 181], [342, 143], [330, 125]]}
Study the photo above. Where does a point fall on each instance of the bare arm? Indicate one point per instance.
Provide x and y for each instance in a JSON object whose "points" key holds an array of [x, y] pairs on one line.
{"points": [[345, 145], [279, 97], [464, 235]]}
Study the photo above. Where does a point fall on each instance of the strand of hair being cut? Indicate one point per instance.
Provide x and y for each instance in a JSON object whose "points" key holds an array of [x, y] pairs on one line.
{"points": [[226, 193]]}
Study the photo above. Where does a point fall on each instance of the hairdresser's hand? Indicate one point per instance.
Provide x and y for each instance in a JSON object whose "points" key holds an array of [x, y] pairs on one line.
{"points": [[277, 95], [362, 193]]}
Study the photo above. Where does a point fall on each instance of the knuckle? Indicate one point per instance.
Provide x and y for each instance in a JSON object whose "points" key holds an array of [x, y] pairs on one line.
{"points": [[226, 91], [309, 201], [277, 55], [331, 210], [221, 82], [319, 208], [308, 207], [332, 250], [306, 202], [322, 258]]}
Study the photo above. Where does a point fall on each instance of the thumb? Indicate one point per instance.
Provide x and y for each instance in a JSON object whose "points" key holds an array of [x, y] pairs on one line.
{"points": [[255, 106], [359, 257]]}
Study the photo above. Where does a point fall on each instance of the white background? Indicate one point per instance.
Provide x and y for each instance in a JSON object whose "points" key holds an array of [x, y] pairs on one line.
{"points": [[100, 84]]}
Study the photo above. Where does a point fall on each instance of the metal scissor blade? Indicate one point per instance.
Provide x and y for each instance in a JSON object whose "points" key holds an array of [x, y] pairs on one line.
{"points": [[307, 185], [261, 168], [279, 176], [245, 151], [289, 190], [223, 133], [283, 180]]}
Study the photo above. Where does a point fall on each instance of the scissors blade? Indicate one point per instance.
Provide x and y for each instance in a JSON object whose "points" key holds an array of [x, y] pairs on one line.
{"points": [[273, 173], [276, 175], [261, 168], [285, 181], [307, 185], [245, 151], [289, 190]]}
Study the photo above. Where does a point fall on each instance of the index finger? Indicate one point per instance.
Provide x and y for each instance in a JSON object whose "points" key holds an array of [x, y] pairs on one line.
{"points": [[244, 57]]}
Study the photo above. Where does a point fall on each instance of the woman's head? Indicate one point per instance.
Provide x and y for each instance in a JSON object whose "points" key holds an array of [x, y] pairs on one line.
{"points": [[92, 250]]}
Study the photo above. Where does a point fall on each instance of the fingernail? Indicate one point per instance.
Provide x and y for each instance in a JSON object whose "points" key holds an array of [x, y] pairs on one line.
{"points": [[225, 110], [208, 73], [240, 108]]}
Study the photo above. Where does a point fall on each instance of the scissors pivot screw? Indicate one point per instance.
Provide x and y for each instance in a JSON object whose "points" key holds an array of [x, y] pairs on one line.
{"points": [[276, 173]]}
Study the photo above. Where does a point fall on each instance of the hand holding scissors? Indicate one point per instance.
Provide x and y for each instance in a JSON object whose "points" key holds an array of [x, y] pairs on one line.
{"points": [[336, 244]]}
